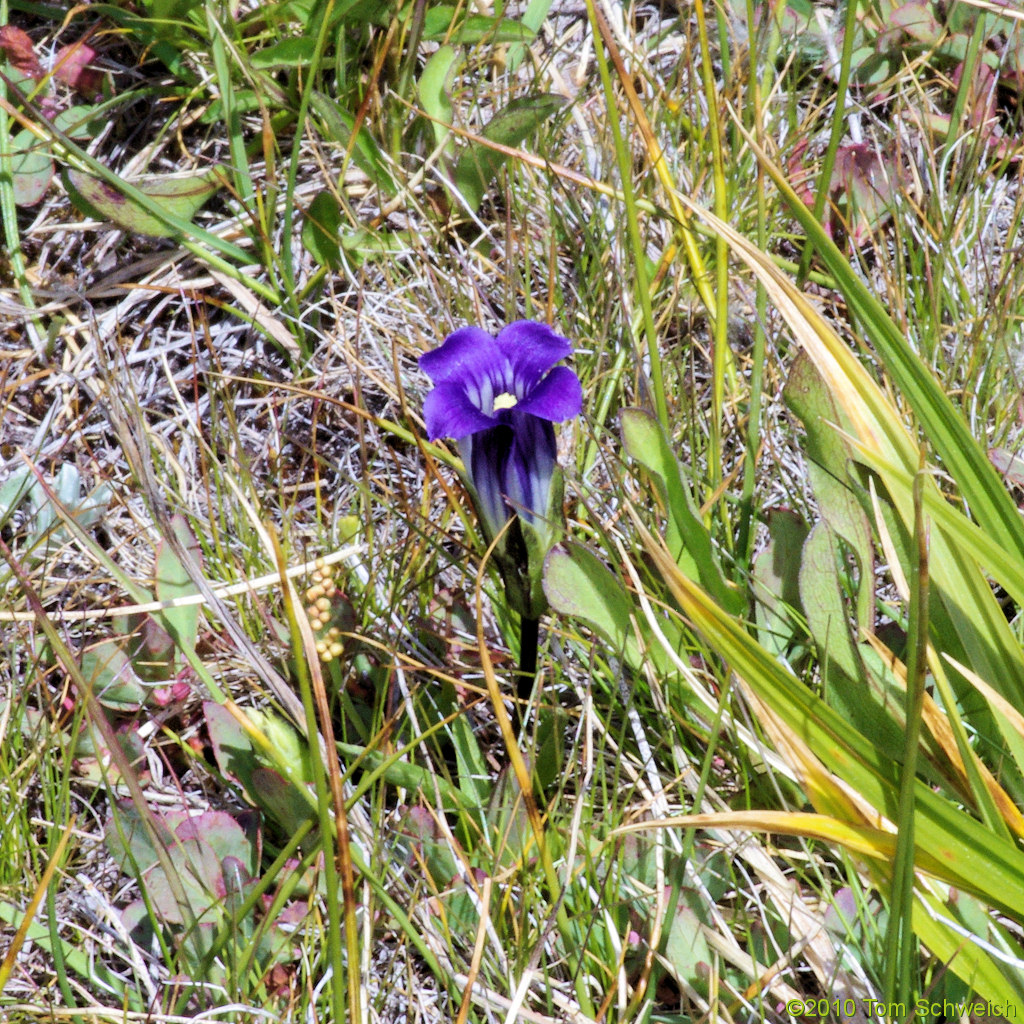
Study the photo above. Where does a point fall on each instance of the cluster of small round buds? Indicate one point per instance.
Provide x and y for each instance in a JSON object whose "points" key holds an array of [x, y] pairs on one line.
{"points": [[321, 607], [329, 649]]}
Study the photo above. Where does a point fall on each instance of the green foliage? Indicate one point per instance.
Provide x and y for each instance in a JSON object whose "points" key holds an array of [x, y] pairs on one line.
{"points": [[713, 795], [517, 121], [32, 89], [201, 888], [41, 499], [687, 537]]}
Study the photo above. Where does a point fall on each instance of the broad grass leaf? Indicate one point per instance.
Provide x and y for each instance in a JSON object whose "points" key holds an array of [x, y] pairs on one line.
{"points": [[777, 603], [969, 607], [942, 424], [827, 613], [858, 695], [439, 23], [828, 461], [950, 843]]}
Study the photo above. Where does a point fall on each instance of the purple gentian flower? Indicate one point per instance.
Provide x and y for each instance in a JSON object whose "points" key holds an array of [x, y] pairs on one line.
{"points": [[498, 397]]}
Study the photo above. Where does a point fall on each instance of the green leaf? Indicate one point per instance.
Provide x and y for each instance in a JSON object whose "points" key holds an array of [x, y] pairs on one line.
{"points": [[685, 945], [435, 81], [285, 53], [363, 244], [173, 582], [31, 168], [827, 614], [320, 230], [473, 28], [232, 747], [828, 463], [338, 126], [863, 699], [170, 10], [479, 165], [776, 583], [578, 583], [87, 966], [180, 196], [688, 538], [84, 121], [951, 844], [110, 675], [941, 422]]}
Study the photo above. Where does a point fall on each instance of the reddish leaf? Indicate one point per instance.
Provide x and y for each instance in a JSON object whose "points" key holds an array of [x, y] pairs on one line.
{"points": [[864, 185], [918, 19], [20, 51], [801, 174], [71, 67]]}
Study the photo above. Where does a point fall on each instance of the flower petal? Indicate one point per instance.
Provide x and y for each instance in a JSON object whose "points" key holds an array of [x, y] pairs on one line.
{"points": [[486, 456], [449, 412], [531, 349], [557, 397], [467, 355], [529, 466]]}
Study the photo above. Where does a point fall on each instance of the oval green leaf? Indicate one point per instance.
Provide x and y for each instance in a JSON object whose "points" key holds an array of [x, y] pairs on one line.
{"points": [[180, 196], [31, 169]]}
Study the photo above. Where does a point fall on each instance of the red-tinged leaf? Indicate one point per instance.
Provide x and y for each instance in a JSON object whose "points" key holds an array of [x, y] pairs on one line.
{"points": [[801, 173], [72, 66], [918, 20], [865, 184], [1008, 464], [21, 52], [179, 195]]}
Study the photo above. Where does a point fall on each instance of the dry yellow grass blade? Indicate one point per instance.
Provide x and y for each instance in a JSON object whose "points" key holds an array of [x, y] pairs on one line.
{"points": [[939, 726]]}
